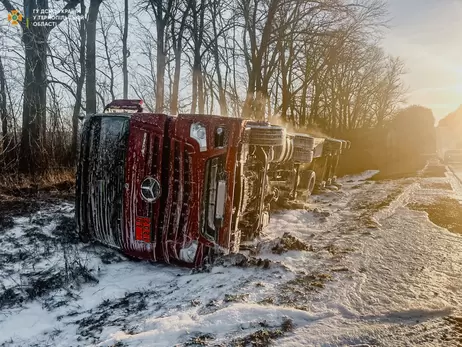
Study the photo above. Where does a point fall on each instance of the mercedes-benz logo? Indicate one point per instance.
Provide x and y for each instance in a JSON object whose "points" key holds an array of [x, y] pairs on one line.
{"points": [[150, 189]]}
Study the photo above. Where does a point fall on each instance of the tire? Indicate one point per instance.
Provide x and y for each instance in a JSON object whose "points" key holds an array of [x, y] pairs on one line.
{"points": [[311, 182], [278, 153], [303, 148], [332, 145], [322, 185], [302, 155], [304, 141], [266, 135], [284, 152], [306, 182]]}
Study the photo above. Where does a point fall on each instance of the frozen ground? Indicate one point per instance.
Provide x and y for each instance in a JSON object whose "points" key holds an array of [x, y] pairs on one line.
{"points": [[364, 270]]}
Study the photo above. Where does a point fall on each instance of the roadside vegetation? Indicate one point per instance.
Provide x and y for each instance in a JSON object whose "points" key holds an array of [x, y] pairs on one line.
{"points": [[233, 58]]}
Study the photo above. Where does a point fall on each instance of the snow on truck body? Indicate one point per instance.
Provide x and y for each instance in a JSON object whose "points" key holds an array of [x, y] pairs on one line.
{"points": [[172, 188], [181, 189]]}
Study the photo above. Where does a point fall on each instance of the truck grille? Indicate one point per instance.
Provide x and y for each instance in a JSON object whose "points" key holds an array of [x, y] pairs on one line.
{"points": [[179, 192]]}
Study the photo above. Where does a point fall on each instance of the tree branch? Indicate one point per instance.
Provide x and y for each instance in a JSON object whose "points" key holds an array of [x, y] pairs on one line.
{"points": [[63, 13]]}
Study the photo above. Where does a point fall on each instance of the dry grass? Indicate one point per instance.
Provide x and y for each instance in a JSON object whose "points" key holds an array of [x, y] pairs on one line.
{"points": [[57, 180]]}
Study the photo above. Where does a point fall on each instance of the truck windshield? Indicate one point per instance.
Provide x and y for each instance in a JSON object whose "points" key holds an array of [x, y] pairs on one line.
{"points": [[108, 137], [103, 176]]}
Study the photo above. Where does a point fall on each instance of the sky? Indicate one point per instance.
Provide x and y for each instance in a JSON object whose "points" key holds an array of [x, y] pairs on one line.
{"points": [[427, 35]]}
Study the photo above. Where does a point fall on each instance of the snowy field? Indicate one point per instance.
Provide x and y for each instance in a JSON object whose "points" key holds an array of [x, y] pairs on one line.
{"points": [[360, 267]]}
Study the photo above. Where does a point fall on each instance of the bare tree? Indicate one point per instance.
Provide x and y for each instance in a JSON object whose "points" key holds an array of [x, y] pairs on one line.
{"points": [[162, 12], [80, 82], [90, 61], [3, 109], [177, 36], [35, 39], [125, 52]]}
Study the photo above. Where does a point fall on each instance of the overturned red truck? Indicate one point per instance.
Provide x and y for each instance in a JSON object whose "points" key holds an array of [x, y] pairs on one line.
{"points": [[186, 188]]}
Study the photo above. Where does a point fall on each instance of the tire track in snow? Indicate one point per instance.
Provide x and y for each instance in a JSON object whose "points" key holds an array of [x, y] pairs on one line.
{"points": [[402, 281]]}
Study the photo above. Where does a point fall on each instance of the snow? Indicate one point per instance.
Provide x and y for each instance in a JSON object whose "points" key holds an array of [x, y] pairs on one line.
{"points": [[390, 283]]}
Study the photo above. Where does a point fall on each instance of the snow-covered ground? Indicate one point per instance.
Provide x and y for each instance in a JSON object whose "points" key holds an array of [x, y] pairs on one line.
{"points": [[370, 271], [457, 170]]}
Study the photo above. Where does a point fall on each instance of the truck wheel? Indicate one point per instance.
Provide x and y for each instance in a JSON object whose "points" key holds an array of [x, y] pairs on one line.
{"points": [[304, 141], [266, 135], [306, 183], [277, 153], [302, 155], [303, 148], [311, 181]]}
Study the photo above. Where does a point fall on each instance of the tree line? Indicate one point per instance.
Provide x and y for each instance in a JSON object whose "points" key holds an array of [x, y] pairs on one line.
{"points": [[312, 64]]}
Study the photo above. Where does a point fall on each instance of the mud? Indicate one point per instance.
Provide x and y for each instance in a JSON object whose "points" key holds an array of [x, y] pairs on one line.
{"points": [[241, 260], [297, 293], [289, 243], [434, 171], [436, 185], [15, 207], [370, 208], [264, 337], [456, 323], [200, 339], [112, 313], [236, 297], [445, 212], [45, 265], [389, 176]]}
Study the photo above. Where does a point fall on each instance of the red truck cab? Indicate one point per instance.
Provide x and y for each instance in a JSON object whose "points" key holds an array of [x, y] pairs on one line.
{"points": [[176, 189]]}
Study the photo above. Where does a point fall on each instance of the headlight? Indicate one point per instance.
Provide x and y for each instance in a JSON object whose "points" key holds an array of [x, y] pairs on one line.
{"points": [[198, 133]]}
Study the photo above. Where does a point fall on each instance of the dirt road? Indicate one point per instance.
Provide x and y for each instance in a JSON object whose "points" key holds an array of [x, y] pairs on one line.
{"points": [[457, 170]]}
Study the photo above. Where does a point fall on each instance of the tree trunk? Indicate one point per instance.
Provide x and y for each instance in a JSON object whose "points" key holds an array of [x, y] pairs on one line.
{"points": [[34, 106], [221, 90], [198, 14], [90, 62], [201, 91], [176, 81], [3, 110], [247, 110], [194, 92], [177, 49], [35, 42], [80, 83], [160, 83], [125, 51]]}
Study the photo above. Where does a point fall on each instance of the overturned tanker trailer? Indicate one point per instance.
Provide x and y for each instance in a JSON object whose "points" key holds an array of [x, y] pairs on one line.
{"points": [[321, 172], [177, 189]]}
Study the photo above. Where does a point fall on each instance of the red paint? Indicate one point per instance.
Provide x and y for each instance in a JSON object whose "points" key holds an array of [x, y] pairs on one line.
{"points": [[173, 228], [143, 229], [147, 129], [174, 219]]}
